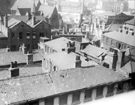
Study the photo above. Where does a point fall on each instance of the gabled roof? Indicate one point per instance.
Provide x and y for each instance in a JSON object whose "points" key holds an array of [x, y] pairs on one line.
{"points": [[58, 44], [47, 10], [113, 27], [131, 22], [67, 61], [2, 35], [22, 89], [13, 22], [93, 51], [121, 37], [24, 4]]}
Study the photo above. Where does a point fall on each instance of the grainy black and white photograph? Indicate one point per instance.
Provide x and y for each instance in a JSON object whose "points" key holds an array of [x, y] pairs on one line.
{"points": [[67, 52]]}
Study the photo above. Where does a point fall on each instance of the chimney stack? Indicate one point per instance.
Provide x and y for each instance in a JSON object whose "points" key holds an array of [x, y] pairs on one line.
{"points": [[29, 58], [78, 61], [115, 59], [122, 58], [33, 20], [6, 20], [71, 47], [13, 70]]}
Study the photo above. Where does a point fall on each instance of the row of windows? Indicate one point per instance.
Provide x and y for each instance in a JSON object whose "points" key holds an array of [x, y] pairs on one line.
{"points": [[63, 99], [114, 43], [27, 35]]}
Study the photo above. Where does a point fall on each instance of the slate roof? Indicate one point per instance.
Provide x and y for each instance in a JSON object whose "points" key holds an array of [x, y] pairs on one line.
{"points": [[121, 37], [24, 4], [13, 22], [2, 35], [94, 51], [27, 88], [66, 61], [58, 44], [131, 22], [7, 57], [113, 27], [47, 10]]}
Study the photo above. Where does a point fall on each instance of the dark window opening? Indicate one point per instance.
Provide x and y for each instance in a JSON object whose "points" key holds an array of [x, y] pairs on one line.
{"points": [[12, 35], [13, 48], [28, 35], [49, 101], [34, 35], [34, 103], [76, 97], [120, 88], [99, 91], [41, 34], [63, 99], [20, 35], [88, 94], [110, 89], [106, 65]]}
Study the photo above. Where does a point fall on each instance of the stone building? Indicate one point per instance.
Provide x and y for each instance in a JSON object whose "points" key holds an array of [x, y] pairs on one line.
{"points": [[116, 6]]}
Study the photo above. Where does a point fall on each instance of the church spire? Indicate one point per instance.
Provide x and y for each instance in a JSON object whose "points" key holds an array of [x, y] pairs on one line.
{"points": [[33, 9]]}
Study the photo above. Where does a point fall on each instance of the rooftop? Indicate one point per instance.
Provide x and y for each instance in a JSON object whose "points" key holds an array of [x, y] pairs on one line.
{"points": [[2, 35], [7, 57], [69, 60], [58, 44], [13, 22], [26, 88], [131, 22], [113, 27], [94, 51], [121, 37], [49, 11]]}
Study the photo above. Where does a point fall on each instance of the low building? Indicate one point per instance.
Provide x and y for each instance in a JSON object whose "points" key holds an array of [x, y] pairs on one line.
{"points": [[73, 86]]}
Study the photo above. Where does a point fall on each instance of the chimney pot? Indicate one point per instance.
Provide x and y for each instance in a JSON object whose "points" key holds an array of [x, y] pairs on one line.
{"points": [[78, 61], [115, 59]]}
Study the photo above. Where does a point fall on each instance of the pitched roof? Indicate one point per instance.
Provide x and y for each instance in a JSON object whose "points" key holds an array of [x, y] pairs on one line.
{"points": [[13, 22], [121, 37], [113, 27], [94, 51], [131, 22], [2, 35], [47, 10], [66, 61], [24, 4], [58, 44], [26, 88]]}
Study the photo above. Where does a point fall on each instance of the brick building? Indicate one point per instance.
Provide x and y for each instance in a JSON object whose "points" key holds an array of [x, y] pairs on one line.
{"points": [[20, 31]]}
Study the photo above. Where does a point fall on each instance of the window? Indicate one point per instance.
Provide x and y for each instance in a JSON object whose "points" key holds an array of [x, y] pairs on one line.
{"points": [[88, 94], [76, 97], [34, 103], [28, 47], [99, 91], [41, 34], [12, 35], [20, 35], [120, 88], [63, 99], [28, 35], [110, 90], [34, 35], [49, 101]]}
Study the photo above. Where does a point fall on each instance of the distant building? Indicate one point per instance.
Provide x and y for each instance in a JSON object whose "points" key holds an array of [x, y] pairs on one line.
{"points": [[116, 6], [22, 7], [51, 14]]}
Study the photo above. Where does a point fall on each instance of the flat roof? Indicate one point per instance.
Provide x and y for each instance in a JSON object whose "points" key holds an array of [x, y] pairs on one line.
{"points": [[66, 61], [58, 44], [7, 57], [33, 87]]}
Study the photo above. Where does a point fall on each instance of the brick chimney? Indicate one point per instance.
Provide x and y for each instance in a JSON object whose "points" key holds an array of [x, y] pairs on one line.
{"points": [[71, 47], [13, 70], [78, 61], [29, 58], [115, 59]]}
